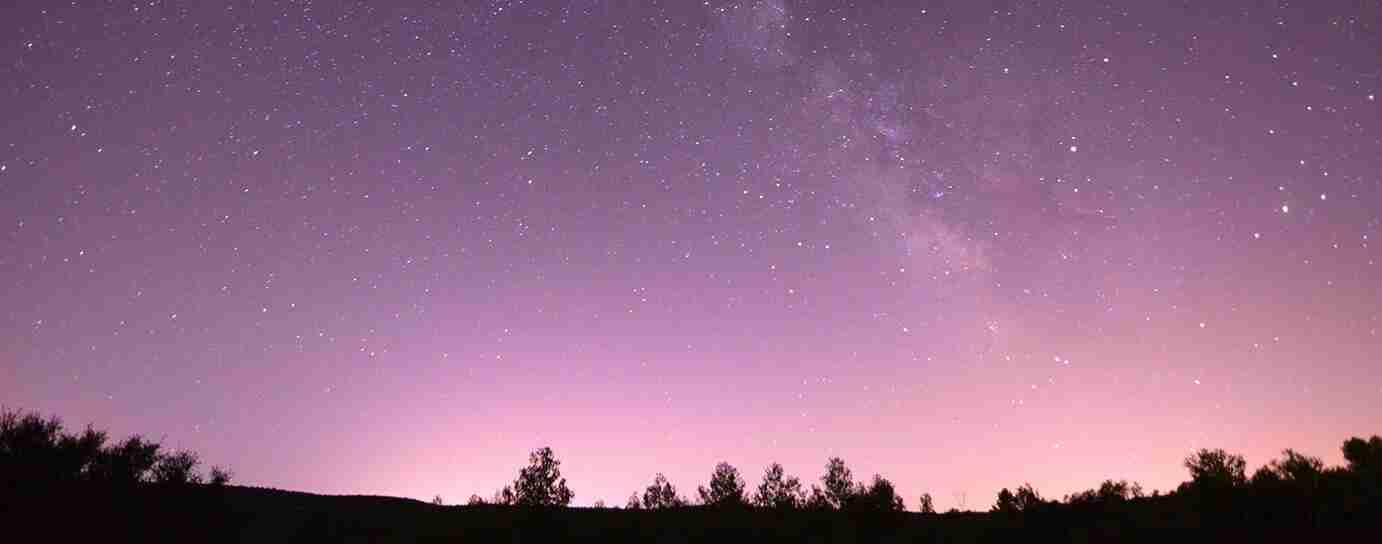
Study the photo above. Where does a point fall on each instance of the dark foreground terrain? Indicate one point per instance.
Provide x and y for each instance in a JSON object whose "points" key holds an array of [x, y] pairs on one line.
{"points": [[84, 513], [60, 486]]}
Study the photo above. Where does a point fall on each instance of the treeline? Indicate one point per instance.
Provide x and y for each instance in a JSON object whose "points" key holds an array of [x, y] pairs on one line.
{"points": [[1296, 488], [541, 484], [37, 451]]}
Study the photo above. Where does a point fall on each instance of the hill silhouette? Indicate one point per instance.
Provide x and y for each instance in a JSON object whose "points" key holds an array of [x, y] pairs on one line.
{"points": [[76, 487]]}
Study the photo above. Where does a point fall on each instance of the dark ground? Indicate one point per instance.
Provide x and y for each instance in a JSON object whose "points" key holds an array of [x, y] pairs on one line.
{"points": [[86, 513]]}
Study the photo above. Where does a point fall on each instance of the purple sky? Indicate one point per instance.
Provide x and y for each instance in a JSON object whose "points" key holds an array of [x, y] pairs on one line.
{"points": [[388, 249]]}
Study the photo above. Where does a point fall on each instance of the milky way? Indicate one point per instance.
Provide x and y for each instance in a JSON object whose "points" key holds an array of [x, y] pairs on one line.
{"points": [[390, 248]]}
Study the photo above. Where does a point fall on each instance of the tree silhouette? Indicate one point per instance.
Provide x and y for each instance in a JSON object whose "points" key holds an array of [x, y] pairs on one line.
{"points": [[1108, 492], [838, 482], [879, 495], [1295, 491], [1364, 456], [1267, 478], [475, 500], [1028, 499], [1025, 500], [1293, 483], [632, 503], [75, 454], [1216, 470], [540, 483], [504, 496], [177, 468], [661, 494], [1006, 503], [127, 463], [1365, 469], [29, 447], [1299, 469], [34, 450], [726, 488], [818, 500], [437, 501], [779, 490], [925, 505]]}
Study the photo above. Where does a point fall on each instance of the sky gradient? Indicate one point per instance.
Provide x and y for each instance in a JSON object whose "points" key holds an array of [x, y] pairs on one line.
{"points": [[390, 248]]}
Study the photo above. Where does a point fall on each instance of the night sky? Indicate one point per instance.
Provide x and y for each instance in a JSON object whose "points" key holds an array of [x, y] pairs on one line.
{"points": [[390, 249]]}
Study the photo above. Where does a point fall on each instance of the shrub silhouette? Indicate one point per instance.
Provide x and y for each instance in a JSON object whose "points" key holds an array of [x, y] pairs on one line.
{"points": [[925, 505], [726, 488], [219, 476], [661, 494], [540, 483], [779, 490]]}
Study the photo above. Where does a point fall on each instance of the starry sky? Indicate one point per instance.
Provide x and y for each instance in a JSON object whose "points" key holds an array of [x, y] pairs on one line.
{"points": [[392, 247]]}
